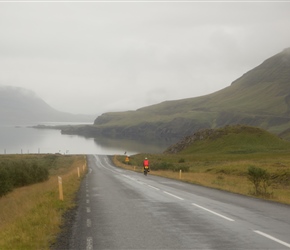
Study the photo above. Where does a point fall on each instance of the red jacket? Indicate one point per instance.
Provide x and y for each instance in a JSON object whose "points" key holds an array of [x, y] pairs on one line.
{"points": [[146, 163]]}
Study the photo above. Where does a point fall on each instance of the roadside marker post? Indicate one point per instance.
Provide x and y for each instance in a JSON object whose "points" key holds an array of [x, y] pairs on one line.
{"points": [[127, 159], [180, 171], [60, 188], [79, 173]]}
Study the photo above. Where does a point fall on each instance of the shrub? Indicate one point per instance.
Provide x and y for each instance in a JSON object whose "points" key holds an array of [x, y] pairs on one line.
{"points": [[168, 166], [161, 166], [20, 173], [260, 179], [5, 181], [182, 168], [181, 160]]}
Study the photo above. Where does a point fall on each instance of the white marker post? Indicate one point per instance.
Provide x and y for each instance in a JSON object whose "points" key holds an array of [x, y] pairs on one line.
{"points": [[60, 188], [180, 171], [79, 175]]}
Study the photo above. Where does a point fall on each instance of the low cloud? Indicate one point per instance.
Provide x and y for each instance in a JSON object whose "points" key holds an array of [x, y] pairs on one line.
{"points": [[98, 57]]}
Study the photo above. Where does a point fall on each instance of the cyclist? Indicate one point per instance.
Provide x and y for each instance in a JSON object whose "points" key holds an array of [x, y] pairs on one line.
{"points": [[146, 164]]}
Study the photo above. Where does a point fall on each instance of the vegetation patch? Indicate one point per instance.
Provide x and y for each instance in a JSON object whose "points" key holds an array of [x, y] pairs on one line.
{"points": [[31, 216], [239, 159], [260, 179], [168, 166], [15, 174]]}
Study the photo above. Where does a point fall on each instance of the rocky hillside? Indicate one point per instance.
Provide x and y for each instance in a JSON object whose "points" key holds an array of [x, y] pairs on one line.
{"points": [[189, 140], [230, 139]]}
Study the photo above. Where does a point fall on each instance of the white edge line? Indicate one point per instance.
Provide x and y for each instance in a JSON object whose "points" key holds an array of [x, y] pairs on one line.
{"points": [[153, 187], [177, 197], [273, 238], [222, 216]]}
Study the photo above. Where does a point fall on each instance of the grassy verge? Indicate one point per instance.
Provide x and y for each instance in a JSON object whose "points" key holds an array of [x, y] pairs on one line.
{"points": [[224, 172], [31, 216]]}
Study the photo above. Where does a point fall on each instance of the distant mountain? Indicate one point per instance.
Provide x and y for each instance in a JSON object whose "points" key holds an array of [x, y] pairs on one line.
{"points": [[260, 98], [19, 105]]}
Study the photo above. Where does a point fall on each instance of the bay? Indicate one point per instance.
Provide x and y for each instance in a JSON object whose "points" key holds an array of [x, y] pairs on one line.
{"points": [[26, 140]]}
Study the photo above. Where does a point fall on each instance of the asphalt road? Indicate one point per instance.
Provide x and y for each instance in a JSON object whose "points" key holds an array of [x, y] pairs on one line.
{"points": [[120, 209]]}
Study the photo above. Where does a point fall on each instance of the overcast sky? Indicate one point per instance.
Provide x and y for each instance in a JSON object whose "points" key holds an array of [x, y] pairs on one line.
{"points": [[92, 57]]}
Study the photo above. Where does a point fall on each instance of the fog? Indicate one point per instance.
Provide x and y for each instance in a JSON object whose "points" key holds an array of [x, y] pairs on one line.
{"points": [[92, 57]]}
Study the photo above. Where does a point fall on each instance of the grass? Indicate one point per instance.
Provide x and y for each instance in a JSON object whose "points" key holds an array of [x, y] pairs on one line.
{"points": [[224, 172], [31, 216]]}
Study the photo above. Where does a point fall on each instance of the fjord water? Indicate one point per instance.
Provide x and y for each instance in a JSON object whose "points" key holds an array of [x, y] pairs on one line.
{"points": [[27, 140]]}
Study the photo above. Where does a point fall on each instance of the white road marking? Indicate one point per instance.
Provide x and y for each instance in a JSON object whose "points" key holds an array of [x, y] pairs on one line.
{"points": [[89, 223], [88, 201], [89, 243], [129, 177], [90, 239], [108, 167], [177, 197], [273, 238], [222, 216], [153, 187]]}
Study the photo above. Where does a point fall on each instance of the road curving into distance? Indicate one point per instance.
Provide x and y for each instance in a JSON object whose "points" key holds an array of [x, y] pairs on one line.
{"points": [[121, 209]]}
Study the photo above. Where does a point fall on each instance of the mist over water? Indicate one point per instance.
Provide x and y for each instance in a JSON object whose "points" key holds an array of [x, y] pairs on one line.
{"points": [[27, 140]]}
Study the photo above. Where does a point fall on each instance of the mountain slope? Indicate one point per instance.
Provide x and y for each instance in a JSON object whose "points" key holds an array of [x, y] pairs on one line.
{"points": [[263, 91], [261, 98], [18, 105]]}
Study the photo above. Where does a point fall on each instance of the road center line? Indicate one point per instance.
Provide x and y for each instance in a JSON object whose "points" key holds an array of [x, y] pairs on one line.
{"points": [[222, 216], [89, 243], [273, 238], [177, 197], [89, 223]]}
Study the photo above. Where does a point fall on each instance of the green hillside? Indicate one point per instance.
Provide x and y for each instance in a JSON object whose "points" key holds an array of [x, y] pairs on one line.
{"points": [[237, 139], [238, 158], [259, 98]]}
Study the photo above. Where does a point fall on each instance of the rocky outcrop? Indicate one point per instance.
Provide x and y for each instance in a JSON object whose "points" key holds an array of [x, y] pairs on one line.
{"points": [[209, 134]]}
